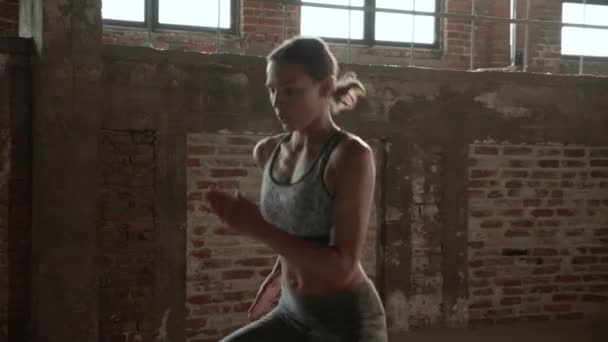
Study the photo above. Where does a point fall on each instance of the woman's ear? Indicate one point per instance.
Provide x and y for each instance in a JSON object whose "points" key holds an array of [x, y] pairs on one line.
{"points": [[328, 85]]}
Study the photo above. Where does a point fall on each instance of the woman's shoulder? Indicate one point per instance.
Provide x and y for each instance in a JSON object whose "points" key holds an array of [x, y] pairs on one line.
{"points": [[351, 151], [263, 148], [352, 145]]}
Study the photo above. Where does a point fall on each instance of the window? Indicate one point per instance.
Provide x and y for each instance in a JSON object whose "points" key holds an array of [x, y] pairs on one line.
{"points": [[171, 14], [380, 26], [585, 41]]}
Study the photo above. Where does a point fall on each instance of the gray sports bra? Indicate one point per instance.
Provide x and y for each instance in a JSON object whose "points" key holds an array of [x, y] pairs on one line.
{"points": [[303, 208]]}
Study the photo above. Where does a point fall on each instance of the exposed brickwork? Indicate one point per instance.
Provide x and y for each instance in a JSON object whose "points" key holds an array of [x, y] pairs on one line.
{"points": [[263, 24], [538, 242], [127, 235], [224, 269], [426, 275], [9, 18]]}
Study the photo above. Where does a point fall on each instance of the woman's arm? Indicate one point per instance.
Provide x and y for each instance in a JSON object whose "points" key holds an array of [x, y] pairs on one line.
{"points": [[352, 203]]}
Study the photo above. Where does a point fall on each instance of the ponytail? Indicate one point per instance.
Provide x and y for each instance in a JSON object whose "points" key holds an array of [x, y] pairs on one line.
{"points": [[348, 91]]}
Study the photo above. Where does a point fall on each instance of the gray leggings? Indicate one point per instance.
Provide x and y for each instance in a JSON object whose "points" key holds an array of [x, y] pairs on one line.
{"points": [[353, 315]]}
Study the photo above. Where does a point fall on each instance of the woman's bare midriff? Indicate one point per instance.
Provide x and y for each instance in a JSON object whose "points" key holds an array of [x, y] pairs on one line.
{"points": [[291, 278]]}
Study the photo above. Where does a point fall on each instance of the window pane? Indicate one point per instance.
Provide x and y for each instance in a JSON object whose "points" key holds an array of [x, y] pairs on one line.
{"points": [[358, 3], [394, 27], [596, 15], [127, 10], [202, 13], [331, 23], [408, 5], [580, 41]]}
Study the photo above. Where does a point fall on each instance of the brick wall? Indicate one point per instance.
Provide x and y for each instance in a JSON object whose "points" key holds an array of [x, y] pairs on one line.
{"points": [[9, 18], [264, 24], [4, 196], [127, 235], [224, 270], [538, 237]]}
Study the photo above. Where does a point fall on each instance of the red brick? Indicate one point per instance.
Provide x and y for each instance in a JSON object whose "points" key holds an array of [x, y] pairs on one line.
{"points": [[519, 151], [486, 150], [594, 298], [510, 301], [585, 260], [196, 323], [481, 304], [542, 212], [495, 194], [547, 269], [517, 233], [191, 162], [599, 163], [515, 174], [254, 262], [237, 274], [557, 307], [531, 202], [521, 223], [476, 244], [221, 173], [595, 277], [201, 253], [508, 282], [544, 175], [548, 163], [491, 224], [484, 273], [564, 212], [599, 174], [538, 318], [483, 292], [508, 291], [481, 213], [598, 250], [598, 288], [545, 252], [565, 297], [543, 289], [475, 263], [574, 152], [195, 196], [201, 150], [520, 163], [483, 173], [572, 315], [199, 300]]}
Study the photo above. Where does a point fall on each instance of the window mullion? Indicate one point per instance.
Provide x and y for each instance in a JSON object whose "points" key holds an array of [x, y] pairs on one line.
{"points": [[152, 7], [369, 22]]}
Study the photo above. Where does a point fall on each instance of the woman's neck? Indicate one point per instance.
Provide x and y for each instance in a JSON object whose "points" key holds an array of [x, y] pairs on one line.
{"points": [[316, 133]]}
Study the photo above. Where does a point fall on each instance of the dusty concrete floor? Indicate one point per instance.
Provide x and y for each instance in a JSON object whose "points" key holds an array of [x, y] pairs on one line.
{"points": [[568, 331]]}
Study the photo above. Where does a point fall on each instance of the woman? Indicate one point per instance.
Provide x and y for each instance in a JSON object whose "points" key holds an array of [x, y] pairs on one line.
{"points": [[316, 196]]}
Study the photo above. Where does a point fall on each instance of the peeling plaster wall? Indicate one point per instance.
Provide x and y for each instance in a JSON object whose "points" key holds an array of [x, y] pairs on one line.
{"points": [[426, 120]]}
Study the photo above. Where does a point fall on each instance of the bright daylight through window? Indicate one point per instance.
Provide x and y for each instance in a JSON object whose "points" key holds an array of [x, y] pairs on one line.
{"points": [[381, 27]]}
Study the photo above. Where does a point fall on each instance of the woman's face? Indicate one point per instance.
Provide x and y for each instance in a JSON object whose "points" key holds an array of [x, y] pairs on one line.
{"points": [[296, 97]]}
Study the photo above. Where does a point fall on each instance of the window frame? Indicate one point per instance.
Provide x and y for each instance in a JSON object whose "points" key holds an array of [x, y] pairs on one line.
{"points": [[561, 41], [151, 20], [369, 29]]}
